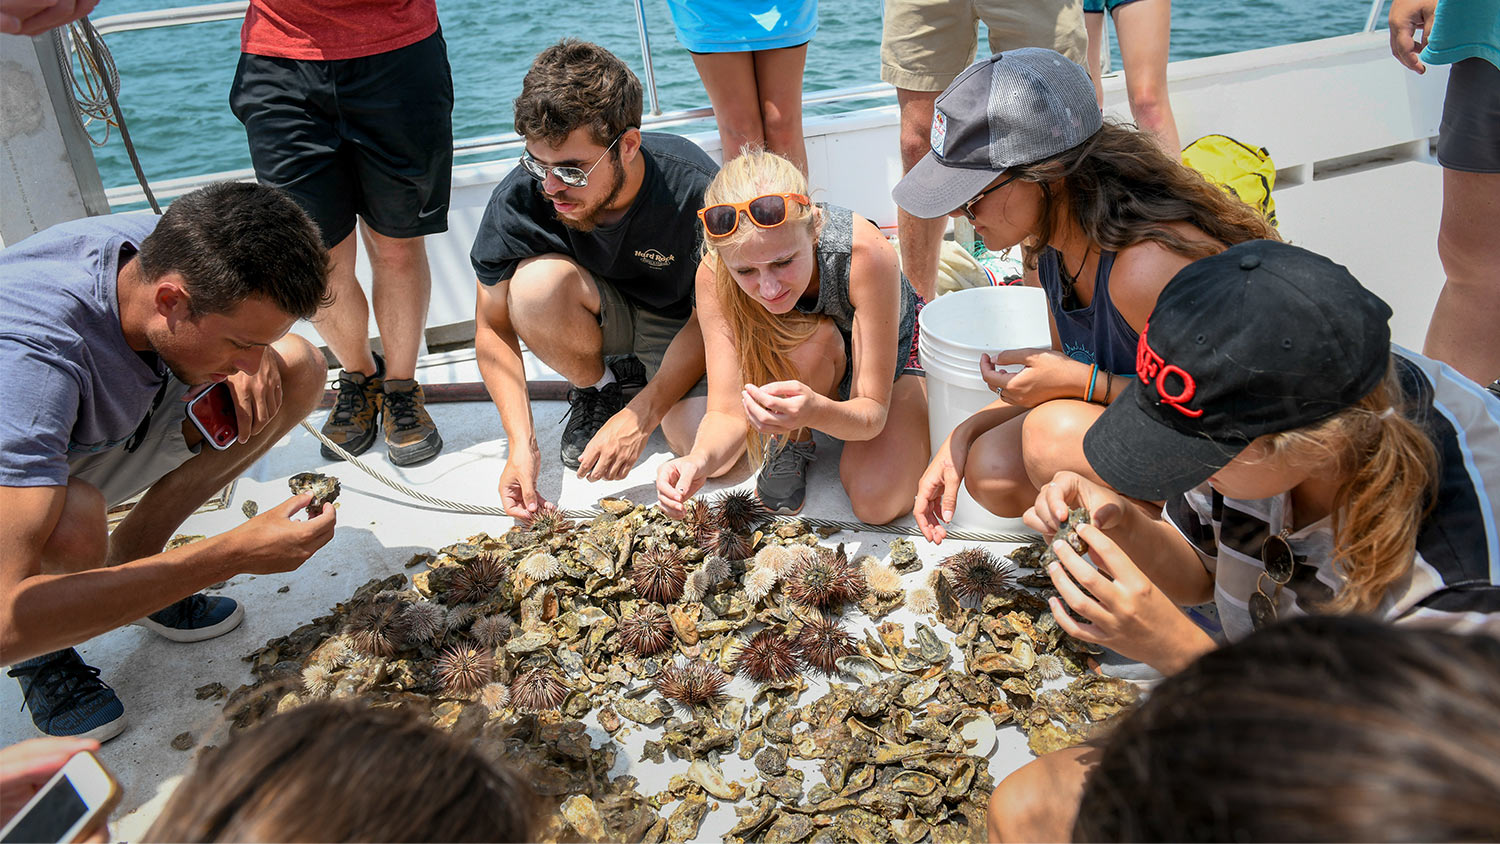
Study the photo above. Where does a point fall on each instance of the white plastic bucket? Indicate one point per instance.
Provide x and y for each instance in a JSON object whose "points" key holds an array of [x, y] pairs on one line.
{"points": [[956, 329]]}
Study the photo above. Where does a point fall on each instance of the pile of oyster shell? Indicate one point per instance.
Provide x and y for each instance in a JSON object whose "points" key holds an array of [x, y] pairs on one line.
{"points": [[514, 641]]}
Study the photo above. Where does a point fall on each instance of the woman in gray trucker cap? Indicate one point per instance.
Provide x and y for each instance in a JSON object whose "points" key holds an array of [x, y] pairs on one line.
{"points": [[1308, 468], [1105, 217]]}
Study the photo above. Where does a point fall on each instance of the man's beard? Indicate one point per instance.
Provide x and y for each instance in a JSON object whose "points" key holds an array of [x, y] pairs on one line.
{"points": [[589, 221]]}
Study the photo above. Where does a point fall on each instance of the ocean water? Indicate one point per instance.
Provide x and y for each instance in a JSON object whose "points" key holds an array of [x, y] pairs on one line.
{"points": [[175, 81]]}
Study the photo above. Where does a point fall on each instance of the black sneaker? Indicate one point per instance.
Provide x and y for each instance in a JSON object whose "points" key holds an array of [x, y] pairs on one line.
{"points": [[630, 372], [588, 410], [782, 482], [411, 437], [355, 416], [195, 618], [1494, 386], [67, 698]]}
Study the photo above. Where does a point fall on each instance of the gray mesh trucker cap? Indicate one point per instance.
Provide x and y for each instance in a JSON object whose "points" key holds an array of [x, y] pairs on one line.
{"points": [[1015, 107]]}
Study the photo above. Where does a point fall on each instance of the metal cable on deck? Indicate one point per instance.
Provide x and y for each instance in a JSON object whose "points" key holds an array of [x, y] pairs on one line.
{"points": [[589, 513]]}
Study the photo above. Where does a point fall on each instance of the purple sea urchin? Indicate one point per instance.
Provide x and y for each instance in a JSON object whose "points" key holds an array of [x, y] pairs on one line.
{"points": [[692, 682], [378, 629], [658, 575], [647, 631], [699, 519], [976, 572], [547, 522], [492, 631], [537, 690], [464, 670], [730, 545], [424, 621], [475, 581], [821, 642], [767, 658], [739, 511], [825, 579]]}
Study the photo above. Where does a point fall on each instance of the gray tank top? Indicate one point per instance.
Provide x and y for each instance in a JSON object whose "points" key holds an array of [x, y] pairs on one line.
{"points": [[833, 254]]}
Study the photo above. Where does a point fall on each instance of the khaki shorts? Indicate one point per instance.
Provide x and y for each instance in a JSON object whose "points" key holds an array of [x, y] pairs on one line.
{"points": [[630, 329], [121, 474], [926, 44]]}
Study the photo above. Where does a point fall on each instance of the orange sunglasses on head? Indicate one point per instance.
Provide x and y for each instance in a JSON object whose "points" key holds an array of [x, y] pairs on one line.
{"points": [[767, 211]]}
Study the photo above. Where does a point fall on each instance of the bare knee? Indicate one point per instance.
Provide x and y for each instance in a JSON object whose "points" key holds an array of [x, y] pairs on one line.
{"points": [[304, 372], [544, 286], [81, 539], [995, 477], [820, 361], [873, 502], [782, 127], [1052, 438]]}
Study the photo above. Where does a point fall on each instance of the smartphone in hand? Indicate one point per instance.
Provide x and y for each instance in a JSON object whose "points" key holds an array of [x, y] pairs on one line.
{"points": [[70, 807], [212, 413]]}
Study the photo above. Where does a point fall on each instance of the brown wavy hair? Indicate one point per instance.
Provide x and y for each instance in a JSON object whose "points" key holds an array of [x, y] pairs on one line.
{"points": [[575, 83], [342, 771], [1390, 468], [1122, 189], [763, 340]]}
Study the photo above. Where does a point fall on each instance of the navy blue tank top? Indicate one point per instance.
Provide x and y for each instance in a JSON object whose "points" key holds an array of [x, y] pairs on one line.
{"points": [[1096, 333]]}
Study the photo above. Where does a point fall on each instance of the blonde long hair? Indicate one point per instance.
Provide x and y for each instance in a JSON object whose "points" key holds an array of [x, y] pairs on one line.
{"points": [[1390, 468], [763, 340]]}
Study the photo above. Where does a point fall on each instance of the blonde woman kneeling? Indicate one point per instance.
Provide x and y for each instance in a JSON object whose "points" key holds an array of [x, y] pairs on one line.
{"points": [[807, 324]]}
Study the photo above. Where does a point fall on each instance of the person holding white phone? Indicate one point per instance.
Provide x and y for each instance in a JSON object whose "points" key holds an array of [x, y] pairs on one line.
{"points": [[107, 326], [1020, 148], [55, 790]]}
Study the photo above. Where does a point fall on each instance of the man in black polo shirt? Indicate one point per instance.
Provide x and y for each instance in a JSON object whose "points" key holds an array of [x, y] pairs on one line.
{"points": [[587, 251]]}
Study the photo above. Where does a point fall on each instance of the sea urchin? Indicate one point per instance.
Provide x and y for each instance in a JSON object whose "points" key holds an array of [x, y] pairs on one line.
{"points": [[378, 629], [464, 670], [825, 579], [475, 581], [492, 631], [537, 690], [976, 572], [647, 631], [691, 682], [821, 642], [739, 511], [658, 575], [767, 658]]}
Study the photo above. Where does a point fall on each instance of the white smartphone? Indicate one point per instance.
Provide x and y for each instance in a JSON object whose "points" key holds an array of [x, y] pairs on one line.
{"points": [[74, 803]]}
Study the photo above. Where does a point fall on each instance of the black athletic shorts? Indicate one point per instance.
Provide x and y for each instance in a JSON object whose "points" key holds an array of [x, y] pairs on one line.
{"points": [[1469, 137], [370, 137]]}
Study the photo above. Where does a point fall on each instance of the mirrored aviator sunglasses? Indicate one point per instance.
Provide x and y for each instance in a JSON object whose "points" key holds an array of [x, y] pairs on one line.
{"points": [[1276, 556], [766, 211]]}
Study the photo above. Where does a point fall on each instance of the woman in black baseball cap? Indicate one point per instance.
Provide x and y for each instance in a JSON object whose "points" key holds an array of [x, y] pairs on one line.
{"points": [[1020, 147], [1307, 467]]}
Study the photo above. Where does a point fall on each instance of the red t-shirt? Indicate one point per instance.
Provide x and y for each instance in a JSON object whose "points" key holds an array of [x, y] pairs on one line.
{"points": [[335, 29]]}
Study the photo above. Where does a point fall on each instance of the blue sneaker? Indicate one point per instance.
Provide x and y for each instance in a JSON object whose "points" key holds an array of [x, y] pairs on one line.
{"points": [[67, 698], [195, 618]]}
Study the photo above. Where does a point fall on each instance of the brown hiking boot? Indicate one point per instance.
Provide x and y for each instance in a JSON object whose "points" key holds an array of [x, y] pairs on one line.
{"points": [[356, 412], [410, 435]]}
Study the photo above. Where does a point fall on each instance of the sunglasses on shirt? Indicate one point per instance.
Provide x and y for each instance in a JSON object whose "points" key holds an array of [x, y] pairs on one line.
{"points": [[767, 211], [573, 177], [1276, 556]]}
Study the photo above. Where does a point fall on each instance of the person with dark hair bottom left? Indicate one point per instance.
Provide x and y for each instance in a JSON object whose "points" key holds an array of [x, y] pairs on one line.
{"points": [[1308, 467], [107, 326], [1322, 728], [341, 771]]}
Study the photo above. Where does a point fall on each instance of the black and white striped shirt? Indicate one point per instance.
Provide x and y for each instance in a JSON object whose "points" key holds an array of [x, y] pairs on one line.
{"points": [[1454, 583]]}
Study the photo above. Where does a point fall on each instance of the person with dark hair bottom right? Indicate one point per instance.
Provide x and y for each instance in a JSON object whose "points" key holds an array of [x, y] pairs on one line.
{"points": [[346, 772], [1307, 465], [108, 325], [1314, 729]]}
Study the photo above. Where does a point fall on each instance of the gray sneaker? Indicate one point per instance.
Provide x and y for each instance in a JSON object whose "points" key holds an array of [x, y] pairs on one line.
{"points": [[782, 482]]}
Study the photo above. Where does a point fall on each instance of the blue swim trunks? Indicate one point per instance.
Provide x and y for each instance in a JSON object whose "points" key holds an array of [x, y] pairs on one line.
{"points": [[735, 26]]}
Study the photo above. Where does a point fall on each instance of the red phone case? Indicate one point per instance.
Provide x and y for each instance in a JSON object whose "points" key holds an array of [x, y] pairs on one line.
{"points": [[212, 412]]}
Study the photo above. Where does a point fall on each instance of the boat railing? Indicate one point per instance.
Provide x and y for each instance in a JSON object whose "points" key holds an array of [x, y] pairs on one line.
{"points": [[499, 143]]}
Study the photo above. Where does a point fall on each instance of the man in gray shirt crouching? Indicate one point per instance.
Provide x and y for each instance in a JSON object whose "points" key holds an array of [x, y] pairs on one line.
{"points": [[108, 325]]}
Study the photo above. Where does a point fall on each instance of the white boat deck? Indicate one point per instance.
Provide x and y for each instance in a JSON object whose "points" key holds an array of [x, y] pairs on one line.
{"points": [[1379, 218]]}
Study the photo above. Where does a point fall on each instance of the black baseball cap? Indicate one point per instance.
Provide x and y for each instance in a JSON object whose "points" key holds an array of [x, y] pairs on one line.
{"points": [[1016, 107], [1262, 338]]}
